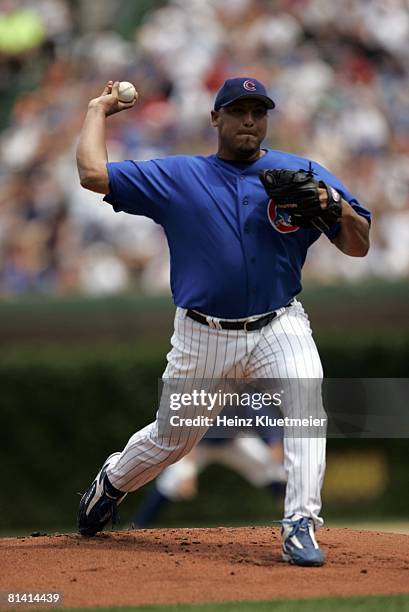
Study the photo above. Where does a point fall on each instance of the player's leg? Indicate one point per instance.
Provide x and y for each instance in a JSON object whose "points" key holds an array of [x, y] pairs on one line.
{"points": [[251, 458], [199, 356], [199, 353], [287, 351]]}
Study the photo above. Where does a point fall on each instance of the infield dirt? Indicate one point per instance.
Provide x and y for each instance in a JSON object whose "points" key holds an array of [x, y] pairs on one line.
{"points": [[200, 565]]}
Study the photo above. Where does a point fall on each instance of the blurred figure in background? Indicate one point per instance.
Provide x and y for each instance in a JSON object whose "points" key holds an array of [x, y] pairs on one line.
{"points": [[257, 457]]}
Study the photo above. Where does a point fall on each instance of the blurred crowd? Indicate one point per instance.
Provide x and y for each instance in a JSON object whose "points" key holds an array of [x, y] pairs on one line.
{"points": [[337, 71]]}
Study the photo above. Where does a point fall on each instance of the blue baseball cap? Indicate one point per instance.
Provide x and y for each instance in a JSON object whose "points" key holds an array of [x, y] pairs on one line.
{"points": [[241, 87]]}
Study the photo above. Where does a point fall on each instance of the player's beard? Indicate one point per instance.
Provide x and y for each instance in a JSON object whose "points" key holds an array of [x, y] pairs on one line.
{"points": [[247, 146], [239, 147]]}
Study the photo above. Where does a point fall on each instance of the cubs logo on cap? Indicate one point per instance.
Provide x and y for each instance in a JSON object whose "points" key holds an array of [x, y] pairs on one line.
{"points": [[249, 85], [242, 87]]}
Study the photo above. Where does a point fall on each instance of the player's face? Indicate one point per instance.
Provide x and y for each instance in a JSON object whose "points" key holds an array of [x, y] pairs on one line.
{"points": [[242, 127]]}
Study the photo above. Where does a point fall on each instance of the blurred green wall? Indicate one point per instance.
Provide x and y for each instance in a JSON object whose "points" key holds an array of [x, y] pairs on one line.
{"points": [[77, 377]]}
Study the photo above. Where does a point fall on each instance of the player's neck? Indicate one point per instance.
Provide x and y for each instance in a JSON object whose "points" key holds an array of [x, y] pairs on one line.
{"points": [[240, 157]]}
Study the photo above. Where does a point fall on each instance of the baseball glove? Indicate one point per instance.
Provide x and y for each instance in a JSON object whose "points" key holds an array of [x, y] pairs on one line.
{"points": [[296, 192]]}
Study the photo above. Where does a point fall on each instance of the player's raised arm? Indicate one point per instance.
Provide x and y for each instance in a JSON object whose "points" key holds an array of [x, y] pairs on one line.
{"points": [[91, 151]]}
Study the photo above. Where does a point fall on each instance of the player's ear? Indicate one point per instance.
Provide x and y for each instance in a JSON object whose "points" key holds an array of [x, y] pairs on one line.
{"points": [[214, 118]]}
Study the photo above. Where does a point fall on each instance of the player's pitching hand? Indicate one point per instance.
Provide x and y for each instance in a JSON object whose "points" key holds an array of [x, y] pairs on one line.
{"points": [[109, 100]]}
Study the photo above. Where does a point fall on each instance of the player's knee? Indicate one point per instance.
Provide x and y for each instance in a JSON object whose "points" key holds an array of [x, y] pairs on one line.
{"points": [[171, 451]]}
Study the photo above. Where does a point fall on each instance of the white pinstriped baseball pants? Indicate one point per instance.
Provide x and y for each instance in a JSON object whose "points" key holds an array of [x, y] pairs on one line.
{"points": [[283, 349]]}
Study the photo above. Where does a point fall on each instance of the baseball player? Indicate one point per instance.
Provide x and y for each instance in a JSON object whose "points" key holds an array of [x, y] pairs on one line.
{"points": [[239, 224]]}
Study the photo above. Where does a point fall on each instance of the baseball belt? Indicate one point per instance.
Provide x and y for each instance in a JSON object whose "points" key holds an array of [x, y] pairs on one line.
{"points": [[250, 325]]}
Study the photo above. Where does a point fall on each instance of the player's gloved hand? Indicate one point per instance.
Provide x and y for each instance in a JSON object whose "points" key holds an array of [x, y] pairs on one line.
{"points": [[109, 100], [303, 197]]}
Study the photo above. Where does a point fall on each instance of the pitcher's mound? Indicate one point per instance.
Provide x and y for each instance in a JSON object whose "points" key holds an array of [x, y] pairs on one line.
{"points": [[200, 565]]}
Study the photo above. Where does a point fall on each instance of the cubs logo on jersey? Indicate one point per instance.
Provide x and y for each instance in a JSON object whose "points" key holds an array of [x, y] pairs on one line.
{"points": [[279, 219]]}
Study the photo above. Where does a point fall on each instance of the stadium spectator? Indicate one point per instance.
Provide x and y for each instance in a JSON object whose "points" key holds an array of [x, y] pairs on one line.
{"points": [[339, 79]]}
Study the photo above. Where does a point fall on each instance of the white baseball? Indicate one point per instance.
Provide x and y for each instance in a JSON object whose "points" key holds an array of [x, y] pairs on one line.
{"points": [[126, 92]]}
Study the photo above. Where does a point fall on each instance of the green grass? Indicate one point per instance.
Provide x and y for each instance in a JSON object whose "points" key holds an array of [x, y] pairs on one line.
{"points": [[391, 603]]}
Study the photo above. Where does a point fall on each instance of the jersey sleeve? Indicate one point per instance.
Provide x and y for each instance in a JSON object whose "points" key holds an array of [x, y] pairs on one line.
{"points": [[329, 178], [142, 187]]}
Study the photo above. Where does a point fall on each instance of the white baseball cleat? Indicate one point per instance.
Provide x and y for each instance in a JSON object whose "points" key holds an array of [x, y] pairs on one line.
{"points": [[299, 544]]}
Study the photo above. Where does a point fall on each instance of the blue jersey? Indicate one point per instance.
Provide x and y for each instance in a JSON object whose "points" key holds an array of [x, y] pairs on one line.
{"points": [[232, 253]]}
